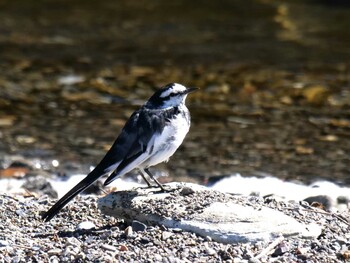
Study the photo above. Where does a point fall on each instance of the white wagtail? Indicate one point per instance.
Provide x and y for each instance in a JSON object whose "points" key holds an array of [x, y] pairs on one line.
{"points": [[150, 136]]}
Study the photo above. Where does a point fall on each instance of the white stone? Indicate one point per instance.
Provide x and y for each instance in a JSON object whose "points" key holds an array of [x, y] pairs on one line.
{"points": [[86, 225], [232, 223], [223, 222]]}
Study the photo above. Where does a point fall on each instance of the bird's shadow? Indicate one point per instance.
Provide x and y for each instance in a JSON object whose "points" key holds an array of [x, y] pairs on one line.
{"points": [[79, 232]]}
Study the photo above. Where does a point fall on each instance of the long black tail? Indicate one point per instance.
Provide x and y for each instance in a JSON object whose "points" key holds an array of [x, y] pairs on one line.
{"points": [[81, 186]]}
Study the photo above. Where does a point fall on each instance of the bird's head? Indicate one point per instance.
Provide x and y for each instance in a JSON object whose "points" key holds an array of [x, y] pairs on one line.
{"points": [[171, 95]]}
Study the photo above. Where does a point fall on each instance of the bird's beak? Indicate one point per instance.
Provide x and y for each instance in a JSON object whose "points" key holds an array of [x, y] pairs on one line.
{"points": [[189, 90]]}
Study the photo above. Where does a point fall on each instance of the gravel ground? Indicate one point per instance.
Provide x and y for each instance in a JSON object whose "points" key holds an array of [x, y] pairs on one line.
{"points": [[25, 238]]}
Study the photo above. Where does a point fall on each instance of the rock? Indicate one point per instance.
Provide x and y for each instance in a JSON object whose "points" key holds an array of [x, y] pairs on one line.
{"points": [[54, 251], [86, 225], [205, 212], [233, 223], [70, 79], [325, 200], [210, 251], [166, 235], [282, 248], [108, 247], [14, 172], [138, 226], [123, 248], [4, 243], [128, 231], [39, 184], [186, 191], [316, 95]]}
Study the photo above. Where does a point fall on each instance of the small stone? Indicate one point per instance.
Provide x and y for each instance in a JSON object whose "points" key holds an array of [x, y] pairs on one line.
{"points": [[346, 255], [86, 225], [55, 251], [194, 251], [176, 230], [281, 249], [123, 248], [73, 241], [4, 243], [128, 231], [252, 260], [301, 251], [166, 235], [24, 139], [324, 201], [186, 191], [108, 247], [208, 238], [210, 251], [158, 258], [316, 95], [304, 150], [70, 79], [137, 226], [36, 248], [20, 212], [14, 172], [53, 259], [163, 228], [7, 121], [145, 240]]}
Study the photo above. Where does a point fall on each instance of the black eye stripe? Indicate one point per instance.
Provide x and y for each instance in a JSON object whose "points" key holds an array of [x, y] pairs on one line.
{"points": [[170, 95]]}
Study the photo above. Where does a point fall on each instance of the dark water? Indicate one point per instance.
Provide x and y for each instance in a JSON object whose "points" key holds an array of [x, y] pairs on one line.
{"points": [[274, 79], [153, 32]]}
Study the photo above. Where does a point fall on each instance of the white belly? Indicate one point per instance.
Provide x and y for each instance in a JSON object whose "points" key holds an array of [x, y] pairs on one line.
{"points": [[168, 141]]}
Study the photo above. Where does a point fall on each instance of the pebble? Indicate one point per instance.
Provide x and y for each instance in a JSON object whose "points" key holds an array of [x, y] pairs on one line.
{"points": [[186, 191], [86, 225], [166, 235], [210, 251], [55, 251], [128, 231], [137, 226], [108, 247], [158, 257], [20, 212], [281, 249], [73, 241], [123, 248], [145, 240], [177, 230], [4, 243], [54, 260]]}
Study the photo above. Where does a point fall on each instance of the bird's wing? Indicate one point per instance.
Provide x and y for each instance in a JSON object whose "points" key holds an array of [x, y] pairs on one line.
{"points": [[117, 153], [148, 126]]}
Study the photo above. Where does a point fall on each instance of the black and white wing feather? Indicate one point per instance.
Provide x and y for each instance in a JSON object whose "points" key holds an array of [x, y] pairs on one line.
{"points": [[146, 128]]}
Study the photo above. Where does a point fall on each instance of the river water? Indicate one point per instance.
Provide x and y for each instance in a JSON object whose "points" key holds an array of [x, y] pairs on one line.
{"points": [[274, 79]]}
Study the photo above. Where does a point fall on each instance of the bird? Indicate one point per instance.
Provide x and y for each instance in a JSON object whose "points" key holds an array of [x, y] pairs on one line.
{"points": [[151, 136]]}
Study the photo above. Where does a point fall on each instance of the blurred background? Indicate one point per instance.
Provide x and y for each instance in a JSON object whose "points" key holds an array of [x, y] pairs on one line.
{"points": [[274, 79]]}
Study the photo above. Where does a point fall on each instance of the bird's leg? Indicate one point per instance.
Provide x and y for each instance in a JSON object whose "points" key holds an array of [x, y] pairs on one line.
{"points": [[144, 178], [154, 179]]}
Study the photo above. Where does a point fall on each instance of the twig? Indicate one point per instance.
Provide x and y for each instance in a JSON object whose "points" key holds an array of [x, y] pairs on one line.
{"points": [[322, 212], [270, 247]]}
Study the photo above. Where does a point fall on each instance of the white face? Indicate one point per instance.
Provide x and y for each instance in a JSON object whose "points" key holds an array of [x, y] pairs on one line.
{"points": [[175, 94]]}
